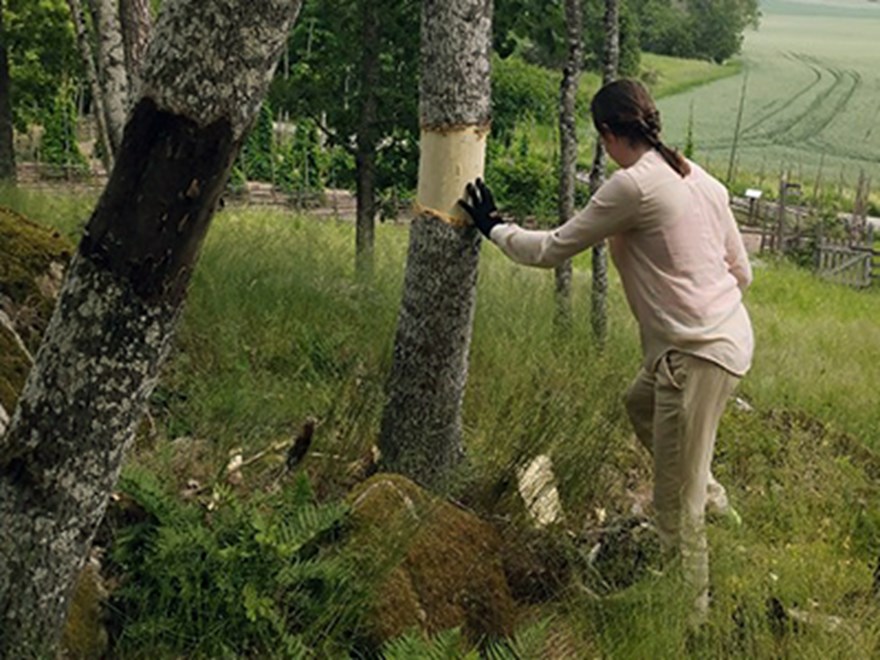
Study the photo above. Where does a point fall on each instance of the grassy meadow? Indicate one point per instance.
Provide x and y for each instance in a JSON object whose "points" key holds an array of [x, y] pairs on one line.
{"points": [[276, 328], [811, 96]]}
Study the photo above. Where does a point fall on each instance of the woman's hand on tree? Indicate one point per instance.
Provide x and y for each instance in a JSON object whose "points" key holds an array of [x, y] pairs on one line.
{"points": [[480, 205]]}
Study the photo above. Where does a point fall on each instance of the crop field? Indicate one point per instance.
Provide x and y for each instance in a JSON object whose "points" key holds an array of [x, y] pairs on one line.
{"points": [[812, 80]]}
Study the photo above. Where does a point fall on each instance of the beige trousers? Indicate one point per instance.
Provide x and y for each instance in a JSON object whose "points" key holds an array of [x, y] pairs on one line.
{"points": [[675, 412]]}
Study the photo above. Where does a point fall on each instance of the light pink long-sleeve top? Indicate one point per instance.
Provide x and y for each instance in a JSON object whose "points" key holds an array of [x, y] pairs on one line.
{"points": [[679, 253]]}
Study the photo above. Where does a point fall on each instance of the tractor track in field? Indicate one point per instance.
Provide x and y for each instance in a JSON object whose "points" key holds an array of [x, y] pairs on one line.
{"points": [[816, 129], [817, 72], [816, 103]]}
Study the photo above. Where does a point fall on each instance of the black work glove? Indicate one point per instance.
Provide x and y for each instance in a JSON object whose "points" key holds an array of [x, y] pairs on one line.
{"points": [[481, 207]]}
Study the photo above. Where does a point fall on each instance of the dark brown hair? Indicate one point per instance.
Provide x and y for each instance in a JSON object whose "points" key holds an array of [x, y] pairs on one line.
{"points": [[626, 109]]}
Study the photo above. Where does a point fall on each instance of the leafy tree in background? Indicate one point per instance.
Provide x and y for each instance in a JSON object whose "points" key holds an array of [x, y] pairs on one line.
{"points": [[536, 32], [353, 68], [42, 55], [705, 29]]}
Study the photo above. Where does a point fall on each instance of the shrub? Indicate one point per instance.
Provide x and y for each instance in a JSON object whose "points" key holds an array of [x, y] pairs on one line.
{"points": [[248, 578], [58, 145]]}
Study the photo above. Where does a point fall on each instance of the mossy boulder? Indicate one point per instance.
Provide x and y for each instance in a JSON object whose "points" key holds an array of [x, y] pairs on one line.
{"points": [[32, 263], [436, 566], [85, 635], [14, 366]]}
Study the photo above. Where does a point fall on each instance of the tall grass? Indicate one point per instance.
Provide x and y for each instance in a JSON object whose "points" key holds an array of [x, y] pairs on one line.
{"points": [[277, 327]]}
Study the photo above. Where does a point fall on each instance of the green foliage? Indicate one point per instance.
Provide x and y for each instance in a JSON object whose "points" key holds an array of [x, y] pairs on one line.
{"points": [[628, 37], [258, 153], [529, 642], [521, 92], [302, 164], [324, 83], [704, 29], [58, 145], [248, 578], [525, 184], [40, 42]]}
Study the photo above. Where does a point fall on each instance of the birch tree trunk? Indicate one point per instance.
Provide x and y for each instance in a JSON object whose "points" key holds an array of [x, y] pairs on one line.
{"points": [[610, 65], [88, 56], [137, 28], [111, 68], [568, 145], [7, 145], [365, 157], [207, 71], [421, 423]]}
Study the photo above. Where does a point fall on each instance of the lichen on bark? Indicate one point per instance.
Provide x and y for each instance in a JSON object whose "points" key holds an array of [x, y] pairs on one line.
{"points": [[62, 454], [192, 73]]}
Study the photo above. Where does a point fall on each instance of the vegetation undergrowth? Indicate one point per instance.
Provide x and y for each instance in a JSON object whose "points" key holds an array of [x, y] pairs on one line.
{"points": [[277, 328]]}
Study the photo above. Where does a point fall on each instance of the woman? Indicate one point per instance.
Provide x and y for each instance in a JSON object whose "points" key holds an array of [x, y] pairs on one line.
{"points": [[684, 270]]}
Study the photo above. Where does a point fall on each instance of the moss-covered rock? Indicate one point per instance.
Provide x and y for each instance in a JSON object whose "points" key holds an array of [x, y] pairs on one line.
{"points": [[84, 635], [14, 366], [32, 263], [436, 565]]}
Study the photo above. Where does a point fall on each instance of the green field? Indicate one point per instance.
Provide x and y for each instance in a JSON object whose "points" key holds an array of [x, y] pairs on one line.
{"points": [[813, 93]]}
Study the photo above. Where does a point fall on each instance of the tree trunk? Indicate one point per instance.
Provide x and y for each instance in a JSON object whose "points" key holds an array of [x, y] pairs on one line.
{"points": [[421, 423], [568, 145], [7, 145], [111, 69], [137, 27], [365, 158], [610, 64], [82, 39], [110, 330]]}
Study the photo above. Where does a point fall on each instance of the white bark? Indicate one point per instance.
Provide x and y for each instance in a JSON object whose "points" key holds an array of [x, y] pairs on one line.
{"points": [[88, 57], [186, 53], [111, 66]]}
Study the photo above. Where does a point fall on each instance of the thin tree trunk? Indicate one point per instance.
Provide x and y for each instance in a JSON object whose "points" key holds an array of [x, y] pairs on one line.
{"points": [[112, 324], [111, 68], [610, 65], [568, 146], [365, 158], [137, 28], [82, 38], [7, 143], [421, 423]]}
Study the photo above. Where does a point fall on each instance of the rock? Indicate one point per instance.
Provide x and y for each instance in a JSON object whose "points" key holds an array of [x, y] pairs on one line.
{"points": [[537, 562], [32, 263], [84, 635], [15, 363], [4, 421], [437, 566], [537, 486]]}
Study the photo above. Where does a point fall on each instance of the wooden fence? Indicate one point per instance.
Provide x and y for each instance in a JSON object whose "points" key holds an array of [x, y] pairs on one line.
{"points": [[846, 263]]}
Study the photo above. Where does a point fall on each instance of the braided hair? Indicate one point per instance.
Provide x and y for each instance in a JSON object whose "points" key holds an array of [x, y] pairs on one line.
{"points": [[626, 109]]}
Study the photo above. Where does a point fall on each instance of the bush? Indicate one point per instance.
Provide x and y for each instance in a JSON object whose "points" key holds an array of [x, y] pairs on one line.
{"points": [[58, 145], [521, 91], [525, 185], [258, 151]]}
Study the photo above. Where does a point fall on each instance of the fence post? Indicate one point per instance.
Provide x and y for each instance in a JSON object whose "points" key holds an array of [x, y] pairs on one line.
{"points": [[780, 222]]}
